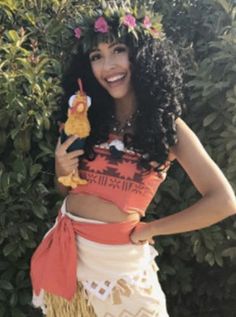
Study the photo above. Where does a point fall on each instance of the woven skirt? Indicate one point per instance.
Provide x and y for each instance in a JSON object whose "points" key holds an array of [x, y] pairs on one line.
{"points": [[113, 281]]}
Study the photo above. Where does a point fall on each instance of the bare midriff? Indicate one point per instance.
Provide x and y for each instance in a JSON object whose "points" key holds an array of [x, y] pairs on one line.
{"points": [[93, 207]]}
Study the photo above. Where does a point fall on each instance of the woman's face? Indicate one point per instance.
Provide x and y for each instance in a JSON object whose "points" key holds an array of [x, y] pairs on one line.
{"points": [[111, 67]]}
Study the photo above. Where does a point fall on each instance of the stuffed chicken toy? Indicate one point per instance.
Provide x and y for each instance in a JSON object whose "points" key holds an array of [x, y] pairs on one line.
{"points": [[77, 123]]}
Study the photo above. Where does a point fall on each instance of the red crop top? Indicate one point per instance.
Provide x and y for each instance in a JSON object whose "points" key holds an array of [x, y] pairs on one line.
{"points": [[120, 181]]}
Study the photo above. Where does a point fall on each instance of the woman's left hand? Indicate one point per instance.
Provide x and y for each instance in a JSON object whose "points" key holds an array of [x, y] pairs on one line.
{"points": [[141, 234]]}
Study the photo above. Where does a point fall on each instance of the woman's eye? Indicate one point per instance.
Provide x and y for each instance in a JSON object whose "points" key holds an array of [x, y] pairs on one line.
{"points": [[120, 49], [94, 57]]}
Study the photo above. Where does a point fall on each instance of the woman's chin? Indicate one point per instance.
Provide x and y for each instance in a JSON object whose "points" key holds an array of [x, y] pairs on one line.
{"points": [[118, 92]]}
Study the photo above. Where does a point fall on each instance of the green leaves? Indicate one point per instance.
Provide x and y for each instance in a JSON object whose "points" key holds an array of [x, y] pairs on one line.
{"points": [[9, 249], [208, 245], [5, 285], [209, 119]]}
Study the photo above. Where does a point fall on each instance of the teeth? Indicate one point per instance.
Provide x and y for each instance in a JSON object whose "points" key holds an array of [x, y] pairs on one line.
{"points": [[112, 79]]}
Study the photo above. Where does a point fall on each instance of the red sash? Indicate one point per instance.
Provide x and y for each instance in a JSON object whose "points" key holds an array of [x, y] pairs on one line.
{"points": [[54, 263]]}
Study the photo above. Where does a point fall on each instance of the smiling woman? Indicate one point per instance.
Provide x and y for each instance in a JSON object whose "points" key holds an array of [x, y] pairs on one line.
{"points": [[97, 260]]}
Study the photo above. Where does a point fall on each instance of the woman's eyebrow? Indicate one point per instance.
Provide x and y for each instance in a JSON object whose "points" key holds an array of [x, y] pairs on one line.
{"points": [[110, 46], [113, 44]]}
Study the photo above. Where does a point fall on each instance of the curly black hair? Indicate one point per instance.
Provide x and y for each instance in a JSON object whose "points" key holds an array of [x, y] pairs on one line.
{"points": [[157, 81]]}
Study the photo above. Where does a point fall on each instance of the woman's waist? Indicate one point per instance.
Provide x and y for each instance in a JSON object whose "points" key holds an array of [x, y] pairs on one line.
{"points": [[92, 207], [112, 233]]}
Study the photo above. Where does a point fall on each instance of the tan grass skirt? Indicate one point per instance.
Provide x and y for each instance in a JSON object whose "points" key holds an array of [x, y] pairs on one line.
{"points": [[113, 281]]}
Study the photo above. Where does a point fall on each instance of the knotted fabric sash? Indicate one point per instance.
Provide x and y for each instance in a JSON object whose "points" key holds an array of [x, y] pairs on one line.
{"points": [[54, 263]]}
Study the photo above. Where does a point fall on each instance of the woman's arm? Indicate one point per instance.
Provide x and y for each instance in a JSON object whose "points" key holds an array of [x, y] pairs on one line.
{"points": [[218, 199]]}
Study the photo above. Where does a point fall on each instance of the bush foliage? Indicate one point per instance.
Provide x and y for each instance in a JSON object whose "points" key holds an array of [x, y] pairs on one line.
{"points": [[197, 269]]}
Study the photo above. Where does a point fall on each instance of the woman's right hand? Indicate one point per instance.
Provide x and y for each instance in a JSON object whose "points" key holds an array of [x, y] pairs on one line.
{"points": [[66, 162]]}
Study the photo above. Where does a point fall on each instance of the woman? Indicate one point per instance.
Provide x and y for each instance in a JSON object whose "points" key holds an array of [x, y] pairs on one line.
{"points": [[132, 74]]}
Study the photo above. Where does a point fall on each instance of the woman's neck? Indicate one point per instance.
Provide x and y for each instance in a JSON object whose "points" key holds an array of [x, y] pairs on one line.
{"points": [[125, 107]]}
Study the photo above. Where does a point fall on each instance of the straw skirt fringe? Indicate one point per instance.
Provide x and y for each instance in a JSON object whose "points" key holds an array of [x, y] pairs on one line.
{"points": [[59, 307]]}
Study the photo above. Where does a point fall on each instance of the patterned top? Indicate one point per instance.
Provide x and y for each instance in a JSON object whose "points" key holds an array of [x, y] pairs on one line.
{"points": [[120, 181]]}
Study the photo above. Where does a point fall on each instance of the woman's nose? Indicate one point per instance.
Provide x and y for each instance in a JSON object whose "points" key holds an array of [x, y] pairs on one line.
{"points": [[109, 63]]}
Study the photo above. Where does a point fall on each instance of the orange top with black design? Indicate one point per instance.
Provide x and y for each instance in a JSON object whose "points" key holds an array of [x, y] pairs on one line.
{"points": [[120, 181]]}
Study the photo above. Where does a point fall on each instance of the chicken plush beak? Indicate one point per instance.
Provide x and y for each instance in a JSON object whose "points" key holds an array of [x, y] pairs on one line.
{"points": [[80, 107]]}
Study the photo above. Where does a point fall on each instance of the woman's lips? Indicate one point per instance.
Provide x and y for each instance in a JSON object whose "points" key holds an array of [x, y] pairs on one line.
{"points": [[115, 80]]}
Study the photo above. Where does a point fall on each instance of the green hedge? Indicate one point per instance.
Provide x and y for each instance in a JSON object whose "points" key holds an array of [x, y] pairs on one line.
{"points": [[197, 269]]}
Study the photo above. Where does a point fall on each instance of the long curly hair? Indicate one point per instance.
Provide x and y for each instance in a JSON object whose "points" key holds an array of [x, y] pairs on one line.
{"points": [[156, 74]]}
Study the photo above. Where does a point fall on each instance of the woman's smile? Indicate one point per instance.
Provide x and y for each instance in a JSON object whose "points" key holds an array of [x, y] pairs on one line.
{"points": [[115, 80]]}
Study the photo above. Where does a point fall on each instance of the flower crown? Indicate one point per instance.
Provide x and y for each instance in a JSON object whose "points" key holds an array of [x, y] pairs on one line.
{"points": [[114, 21]]}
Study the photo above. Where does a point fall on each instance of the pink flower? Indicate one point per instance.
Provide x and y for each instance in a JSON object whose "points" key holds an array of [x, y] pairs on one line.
{"points": [[129, 20], [101, 25], [77, 33], [147, 22]]}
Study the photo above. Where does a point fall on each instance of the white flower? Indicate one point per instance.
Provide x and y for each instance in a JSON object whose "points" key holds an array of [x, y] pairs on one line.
{"points": [[119, 145]]}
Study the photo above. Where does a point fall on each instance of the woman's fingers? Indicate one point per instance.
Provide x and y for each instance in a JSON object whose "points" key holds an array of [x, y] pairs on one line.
{"points": [[75, 153], [154, 164], [143, 242], [152, 241], [70, 156], [62, 147], [66, 162], [69, 163], [64, 166], [58, 143], [141, 234]]}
